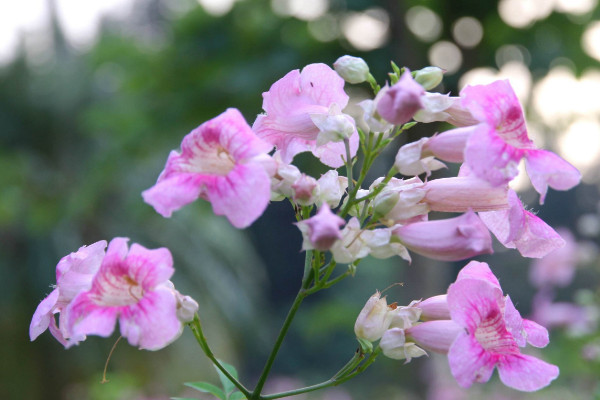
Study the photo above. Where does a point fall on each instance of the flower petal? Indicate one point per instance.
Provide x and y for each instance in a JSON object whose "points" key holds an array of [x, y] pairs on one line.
{"points": [[42, 316], [469, 362], [152, 323], [243, 195], [547, 169], [526, 373]]}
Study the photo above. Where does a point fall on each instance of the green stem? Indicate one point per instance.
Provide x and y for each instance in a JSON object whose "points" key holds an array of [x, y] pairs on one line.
{"points": [[255, 395], [196, 328], [349, 165], [338, 378]]}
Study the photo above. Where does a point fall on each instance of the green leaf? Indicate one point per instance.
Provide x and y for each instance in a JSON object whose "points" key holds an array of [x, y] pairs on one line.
{"points": [[206, 387], [228, 387], [237, 396], [409, 125]]}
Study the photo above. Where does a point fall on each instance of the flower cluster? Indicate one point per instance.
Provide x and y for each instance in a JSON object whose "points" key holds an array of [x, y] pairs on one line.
{"points": [[94, 288], [474, 323], [239, 168]]}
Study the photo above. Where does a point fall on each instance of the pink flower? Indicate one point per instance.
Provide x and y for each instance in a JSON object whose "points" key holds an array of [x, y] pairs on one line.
{"points": [[221, 161], [449, 239], [132, 286], [74, 273], [520, 229], [401, 101], [500, 141], [322, 230], [493, 332], [291, 104]]}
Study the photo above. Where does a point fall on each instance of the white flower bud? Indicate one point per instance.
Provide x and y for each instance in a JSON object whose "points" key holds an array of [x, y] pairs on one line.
{"points": [[352, 69], [429, 77]]}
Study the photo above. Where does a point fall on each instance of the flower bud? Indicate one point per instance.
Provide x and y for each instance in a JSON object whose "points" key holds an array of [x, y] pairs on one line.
{"points": [[331, 188], [429, 77], [322, 230], [373, 319], [401, 101], [385, 202], [352, 69], [304, 190], [394, 345], [333, 127]]}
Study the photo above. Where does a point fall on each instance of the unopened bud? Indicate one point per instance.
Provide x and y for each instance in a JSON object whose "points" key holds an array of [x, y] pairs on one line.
{"points": [[429, 77], [304, 190], [373, 319], [385, 202], [352, 69]]}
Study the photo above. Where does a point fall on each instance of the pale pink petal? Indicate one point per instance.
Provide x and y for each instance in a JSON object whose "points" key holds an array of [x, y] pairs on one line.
{"points": [[469, 362], [86, 318], [435, 307], [459, 194], [152, 323], [537, 238], [117, 250], [172, 193], [333, 154], [478, 270], [490, 158], [526, 373], [323, 85], [514, 322], [547, 169], [43, 315], [149, 267], [537, 335], [242, 196], [506, 225], [58, 334]]}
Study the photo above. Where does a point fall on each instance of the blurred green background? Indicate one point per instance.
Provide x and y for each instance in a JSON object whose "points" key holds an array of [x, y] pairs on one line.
{"points": [[90, 108]]}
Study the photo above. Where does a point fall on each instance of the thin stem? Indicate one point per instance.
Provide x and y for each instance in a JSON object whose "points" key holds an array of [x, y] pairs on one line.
{"points": [[340, 377], [196, 328], [349, 165], [104, 380], [286, 325]]}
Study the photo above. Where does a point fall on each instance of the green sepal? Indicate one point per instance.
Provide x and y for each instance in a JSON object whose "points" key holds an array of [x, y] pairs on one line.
{"points": [[396, 68], [361, 135], [366, 347], [409, 125], [206, 387]]}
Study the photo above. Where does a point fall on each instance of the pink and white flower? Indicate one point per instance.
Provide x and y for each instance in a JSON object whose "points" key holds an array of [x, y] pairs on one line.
{"points": [[500, 141], [74, 273], [518, 228], [132, 286], [493, 332], [221, 161], [293, 103]]}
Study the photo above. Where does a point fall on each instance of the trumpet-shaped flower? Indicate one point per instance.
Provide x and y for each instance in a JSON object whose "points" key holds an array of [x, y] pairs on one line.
{"points": [[221, 161], [74, 273], [486, 342], [449, 239], [131, 285], [500, 141], [493, 332], [293, 103]]}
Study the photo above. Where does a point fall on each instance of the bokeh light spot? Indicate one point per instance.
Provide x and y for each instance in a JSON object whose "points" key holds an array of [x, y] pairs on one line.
{"points": [[467, 32], [366, 30], [424, 23], [446, 55]]}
